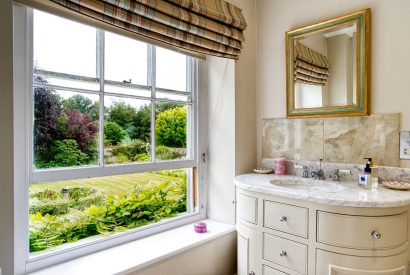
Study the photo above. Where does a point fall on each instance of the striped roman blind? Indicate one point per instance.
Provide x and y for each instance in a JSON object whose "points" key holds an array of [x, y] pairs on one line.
{"points": [[209, 27], [310, 66]]}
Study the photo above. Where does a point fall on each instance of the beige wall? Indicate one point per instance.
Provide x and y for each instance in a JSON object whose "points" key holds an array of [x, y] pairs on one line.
{"points": [[231, 115], [390, 91], [213, 258], [6, 139]]}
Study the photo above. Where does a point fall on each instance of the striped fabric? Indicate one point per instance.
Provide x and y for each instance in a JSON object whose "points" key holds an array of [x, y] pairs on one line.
{"points": [[310, 67], [212, 27]]}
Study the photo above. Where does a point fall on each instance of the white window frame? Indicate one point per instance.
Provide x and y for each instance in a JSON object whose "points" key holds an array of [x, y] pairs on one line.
{"points": [[23, 110]]}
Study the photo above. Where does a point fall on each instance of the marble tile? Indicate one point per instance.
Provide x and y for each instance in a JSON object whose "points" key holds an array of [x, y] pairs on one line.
{"points": [[350, 139], [298, 139]]}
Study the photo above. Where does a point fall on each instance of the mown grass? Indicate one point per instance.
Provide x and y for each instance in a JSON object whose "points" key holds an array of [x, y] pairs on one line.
{"points": [[110, 185]]}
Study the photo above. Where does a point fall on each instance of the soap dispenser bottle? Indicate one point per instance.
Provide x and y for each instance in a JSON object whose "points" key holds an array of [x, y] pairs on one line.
{"points": [[365, 179]]}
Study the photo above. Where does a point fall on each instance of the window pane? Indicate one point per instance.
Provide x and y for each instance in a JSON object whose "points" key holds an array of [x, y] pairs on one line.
{"points": [[125, 59], [171, 96], [67, 83], [63, 46], [127, 90], [171, 130], [127, 130], [67, 211], [171, 70], [65, 129]]}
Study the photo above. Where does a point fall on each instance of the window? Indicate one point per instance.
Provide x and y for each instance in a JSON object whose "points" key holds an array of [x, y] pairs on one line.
{"points": [[113, 140]]}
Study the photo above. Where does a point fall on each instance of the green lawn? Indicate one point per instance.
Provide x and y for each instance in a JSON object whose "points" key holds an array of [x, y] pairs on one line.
{"points": [[110, 185]]}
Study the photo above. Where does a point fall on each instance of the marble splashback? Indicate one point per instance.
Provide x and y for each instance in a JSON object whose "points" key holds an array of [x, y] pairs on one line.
{"points": [[336, 140], [294, 167]]}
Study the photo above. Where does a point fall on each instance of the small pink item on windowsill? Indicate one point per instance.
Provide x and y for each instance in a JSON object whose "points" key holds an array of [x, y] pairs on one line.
{"points": [[200, 227], [280, 167]]}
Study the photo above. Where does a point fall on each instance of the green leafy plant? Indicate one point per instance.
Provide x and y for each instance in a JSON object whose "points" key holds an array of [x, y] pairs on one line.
{"points": [[142, 157], [116, 213], [113, 133], [170, 127], [131, 149]]}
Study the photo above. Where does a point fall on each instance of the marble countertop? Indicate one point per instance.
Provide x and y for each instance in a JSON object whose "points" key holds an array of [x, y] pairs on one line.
{"points": [[326, 192]]}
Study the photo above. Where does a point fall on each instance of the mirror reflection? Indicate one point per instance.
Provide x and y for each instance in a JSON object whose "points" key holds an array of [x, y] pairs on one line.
{"points": [[325, 68]]}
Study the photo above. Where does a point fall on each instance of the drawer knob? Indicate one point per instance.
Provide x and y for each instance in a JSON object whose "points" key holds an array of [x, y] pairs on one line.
{"points": [[283, 219], [283, 253], [251, 273], [376, 235]]}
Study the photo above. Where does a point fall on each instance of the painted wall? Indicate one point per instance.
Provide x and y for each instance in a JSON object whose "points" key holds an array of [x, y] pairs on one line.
{"points": [[215, 257], [6, 139], [390, 57]]}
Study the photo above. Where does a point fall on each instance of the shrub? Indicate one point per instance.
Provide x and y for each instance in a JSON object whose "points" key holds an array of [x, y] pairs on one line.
{"points": [[113, 133], [66, 153], [170, 127], [52, 202], [142, 157], [131, 149], [81, 104], [163, 153], [117, 213]]}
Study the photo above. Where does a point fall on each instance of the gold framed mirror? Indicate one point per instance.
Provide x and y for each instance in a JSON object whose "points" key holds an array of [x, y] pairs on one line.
{"points": [[328, 67]]}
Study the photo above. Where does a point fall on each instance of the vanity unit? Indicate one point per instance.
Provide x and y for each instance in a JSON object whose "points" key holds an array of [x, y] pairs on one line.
{"points": [[291, 225]]}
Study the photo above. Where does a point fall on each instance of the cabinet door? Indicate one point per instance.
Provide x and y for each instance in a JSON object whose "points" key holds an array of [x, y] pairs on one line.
{"points": [[246, 250], [339, 264]]}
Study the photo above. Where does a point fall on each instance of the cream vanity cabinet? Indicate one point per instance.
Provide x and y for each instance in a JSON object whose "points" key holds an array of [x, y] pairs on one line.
{"points": [[278, 235]]}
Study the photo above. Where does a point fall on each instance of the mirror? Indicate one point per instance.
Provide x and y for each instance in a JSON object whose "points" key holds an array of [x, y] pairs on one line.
{"points": [[327, 67]]}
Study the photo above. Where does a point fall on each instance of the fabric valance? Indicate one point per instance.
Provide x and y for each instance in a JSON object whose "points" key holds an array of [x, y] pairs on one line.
{"points": [[310, 66], [210, 27]]}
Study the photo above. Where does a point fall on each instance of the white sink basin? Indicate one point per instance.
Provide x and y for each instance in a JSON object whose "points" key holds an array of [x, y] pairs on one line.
{"points": [[308, 185]]}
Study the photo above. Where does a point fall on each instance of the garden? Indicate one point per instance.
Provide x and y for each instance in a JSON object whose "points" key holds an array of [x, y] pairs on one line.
{"points": [[66, 127]]}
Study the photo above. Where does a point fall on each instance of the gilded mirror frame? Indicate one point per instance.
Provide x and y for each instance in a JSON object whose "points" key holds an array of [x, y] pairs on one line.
{"points": [[362, 20]]}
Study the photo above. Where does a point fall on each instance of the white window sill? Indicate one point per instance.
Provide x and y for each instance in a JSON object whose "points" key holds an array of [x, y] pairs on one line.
{"points": [[140, 253]]}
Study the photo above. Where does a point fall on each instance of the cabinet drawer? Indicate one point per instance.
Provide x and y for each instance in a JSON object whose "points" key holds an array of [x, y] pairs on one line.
{"points": [[339, 264], [247, 208], [358, 231], [285, 252], [287, 218], [270, 271]]}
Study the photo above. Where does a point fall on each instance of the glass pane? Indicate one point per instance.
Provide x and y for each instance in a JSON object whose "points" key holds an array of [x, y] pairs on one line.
{"points": [[171, 130], [65, 129], [125, 59], [64, 212], [171, 70], [127, 90], [127, 130], [63, 46], [170, 96], [67, 83]]}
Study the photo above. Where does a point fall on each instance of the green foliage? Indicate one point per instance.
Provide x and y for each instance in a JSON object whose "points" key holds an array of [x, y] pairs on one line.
{"points": [[122, 113], [81, 104], [142, 157], [163, 153], [140, 207], [131, 149], [53, 203], [142, 123], [170, 127], [66, 153], [113, 133]]}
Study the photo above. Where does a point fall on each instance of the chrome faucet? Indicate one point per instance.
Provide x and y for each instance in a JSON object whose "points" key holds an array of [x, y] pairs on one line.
{"points": [[319, 174]]}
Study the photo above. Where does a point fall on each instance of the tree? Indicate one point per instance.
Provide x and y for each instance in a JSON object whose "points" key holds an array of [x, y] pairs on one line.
{"points": [[122, 113], [170, 127], [82, 104], [113, 133], [46, 113], [79, 127], [142, 123]]}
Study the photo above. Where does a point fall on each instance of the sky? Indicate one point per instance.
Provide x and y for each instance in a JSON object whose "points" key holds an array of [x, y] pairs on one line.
{"points": [[65, 46]]}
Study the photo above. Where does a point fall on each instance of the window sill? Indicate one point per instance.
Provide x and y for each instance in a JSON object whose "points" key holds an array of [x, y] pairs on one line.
{"points": [[140, 253]]}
